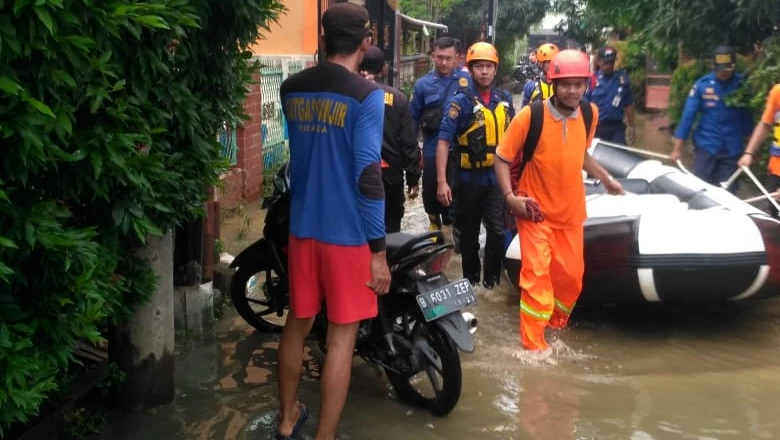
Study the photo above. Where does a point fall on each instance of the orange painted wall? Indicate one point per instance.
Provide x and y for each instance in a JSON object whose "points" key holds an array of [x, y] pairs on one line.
{"points": [[294, 34]]}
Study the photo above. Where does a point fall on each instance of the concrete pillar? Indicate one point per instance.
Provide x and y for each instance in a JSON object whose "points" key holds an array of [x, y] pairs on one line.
{"points": [[143, 347], [194, 311]]}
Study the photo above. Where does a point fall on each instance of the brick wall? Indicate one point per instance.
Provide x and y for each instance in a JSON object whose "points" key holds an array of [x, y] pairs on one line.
{"points": [[244, 181], [232, 191], [250, 143]]}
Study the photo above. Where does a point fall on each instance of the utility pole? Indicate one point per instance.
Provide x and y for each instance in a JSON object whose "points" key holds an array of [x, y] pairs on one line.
{"points": [[492, 7]]}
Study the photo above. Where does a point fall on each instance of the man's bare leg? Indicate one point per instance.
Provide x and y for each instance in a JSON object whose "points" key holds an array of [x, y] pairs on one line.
{"points": [[290, 365], [336, 374]]}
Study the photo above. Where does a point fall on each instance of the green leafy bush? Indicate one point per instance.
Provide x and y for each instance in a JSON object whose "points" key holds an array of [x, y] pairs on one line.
{"points": [[682, 81], [108, 116], [638, 82]]}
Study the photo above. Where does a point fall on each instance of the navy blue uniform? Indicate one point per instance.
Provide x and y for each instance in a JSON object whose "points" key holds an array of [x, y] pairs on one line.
{"points": [[432, 91], [719, 136], [611, 94]]}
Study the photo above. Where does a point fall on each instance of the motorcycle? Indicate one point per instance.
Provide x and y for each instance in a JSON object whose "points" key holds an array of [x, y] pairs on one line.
{"points": [[420, 326]]}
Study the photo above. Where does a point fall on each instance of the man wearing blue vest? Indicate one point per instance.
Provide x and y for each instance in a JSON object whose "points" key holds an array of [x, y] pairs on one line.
{"points": [[430, 94], [612, 95], [722, 129]]}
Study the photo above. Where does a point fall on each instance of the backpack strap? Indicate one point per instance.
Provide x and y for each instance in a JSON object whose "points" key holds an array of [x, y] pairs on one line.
{"points": [[535, 131], [587, 116], [531, 139]]}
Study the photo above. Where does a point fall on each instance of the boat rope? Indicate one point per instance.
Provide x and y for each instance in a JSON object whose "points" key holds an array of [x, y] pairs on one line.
{"points": [[761, 187], [646, 153]]}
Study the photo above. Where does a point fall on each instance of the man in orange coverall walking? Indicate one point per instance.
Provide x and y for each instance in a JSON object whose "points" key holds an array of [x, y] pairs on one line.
{"points": [[549, 202]]}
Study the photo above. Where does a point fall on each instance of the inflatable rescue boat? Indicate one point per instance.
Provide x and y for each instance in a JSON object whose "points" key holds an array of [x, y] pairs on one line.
{"points": [[672, 237]]}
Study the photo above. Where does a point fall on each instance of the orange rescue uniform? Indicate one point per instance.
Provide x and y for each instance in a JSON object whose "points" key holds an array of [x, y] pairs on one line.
{"points": [[552, 251], [771, 117]]}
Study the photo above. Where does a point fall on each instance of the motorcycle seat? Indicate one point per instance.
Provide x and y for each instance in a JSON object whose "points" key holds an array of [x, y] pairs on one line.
{"points": [[396, 240]]}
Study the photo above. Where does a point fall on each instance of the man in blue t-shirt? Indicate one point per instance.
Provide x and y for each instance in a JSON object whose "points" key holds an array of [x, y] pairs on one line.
{"points": [[336, 247]]}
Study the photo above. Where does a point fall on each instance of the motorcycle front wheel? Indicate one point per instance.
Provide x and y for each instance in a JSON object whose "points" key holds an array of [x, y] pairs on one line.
{"points": [[254, 292], [436, 383]]}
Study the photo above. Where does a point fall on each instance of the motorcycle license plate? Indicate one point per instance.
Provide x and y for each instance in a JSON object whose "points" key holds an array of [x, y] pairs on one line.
{"points": [[446, 299]]}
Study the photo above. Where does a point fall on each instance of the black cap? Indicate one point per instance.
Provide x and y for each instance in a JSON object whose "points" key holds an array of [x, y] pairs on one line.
{"points": [[346, 20], [373, 60], [607, 54], [724, 58]]}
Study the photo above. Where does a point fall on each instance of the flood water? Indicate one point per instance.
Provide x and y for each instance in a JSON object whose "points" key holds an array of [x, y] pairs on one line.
{"points": [[636, 372]]}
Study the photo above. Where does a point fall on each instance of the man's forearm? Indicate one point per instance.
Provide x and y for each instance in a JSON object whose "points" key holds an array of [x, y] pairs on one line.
{"points": [[442, 152], [503, 175], [759, 135], [594, 169], [630, 115]]}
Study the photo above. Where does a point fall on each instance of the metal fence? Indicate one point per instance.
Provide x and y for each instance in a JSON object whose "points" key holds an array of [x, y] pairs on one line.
{"points": [[227, 138], [274, 70]]}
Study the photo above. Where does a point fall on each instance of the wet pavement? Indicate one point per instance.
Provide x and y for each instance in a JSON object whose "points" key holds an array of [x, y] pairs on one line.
{"points": [[636, 372]]}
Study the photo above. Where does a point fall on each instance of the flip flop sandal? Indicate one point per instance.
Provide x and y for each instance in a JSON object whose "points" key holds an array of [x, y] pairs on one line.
{"points": [[302, 418]]}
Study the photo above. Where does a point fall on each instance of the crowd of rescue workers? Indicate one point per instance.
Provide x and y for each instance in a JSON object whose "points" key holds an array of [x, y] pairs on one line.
{"points": [[475, 152], [481, 163]]}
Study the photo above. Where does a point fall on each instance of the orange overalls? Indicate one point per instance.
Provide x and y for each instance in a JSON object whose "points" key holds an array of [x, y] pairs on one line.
{"points": [[552, 250]]}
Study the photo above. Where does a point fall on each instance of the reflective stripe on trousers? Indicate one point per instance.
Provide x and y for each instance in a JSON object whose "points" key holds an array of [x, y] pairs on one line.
{"points": [[550, 278]]}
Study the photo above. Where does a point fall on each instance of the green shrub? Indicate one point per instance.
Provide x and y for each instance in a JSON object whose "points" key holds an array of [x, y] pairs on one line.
{"points": [[108, 115], [638, 79], [682, 81]]}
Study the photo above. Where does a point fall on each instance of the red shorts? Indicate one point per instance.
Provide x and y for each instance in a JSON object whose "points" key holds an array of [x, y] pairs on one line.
{"points": [[337, 274]]}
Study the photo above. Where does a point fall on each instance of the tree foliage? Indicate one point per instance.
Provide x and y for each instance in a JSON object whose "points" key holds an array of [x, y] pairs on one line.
{"points": [[467, 20], [429, 10], [108, 116], [697, 25]]}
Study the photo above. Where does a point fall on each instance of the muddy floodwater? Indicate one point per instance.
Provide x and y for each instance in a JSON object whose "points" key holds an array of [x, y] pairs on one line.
{"points": [[636, 372]]}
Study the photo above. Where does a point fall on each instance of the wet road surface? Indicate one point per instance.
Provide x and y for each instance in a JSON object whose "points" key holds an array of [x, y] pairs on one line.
{"points": [[636, 372]]}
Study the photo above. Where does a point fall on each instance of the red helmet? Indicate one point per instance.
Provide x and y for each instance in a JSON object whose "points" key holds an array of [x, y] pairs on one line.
{"points": [[569, 63]]}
